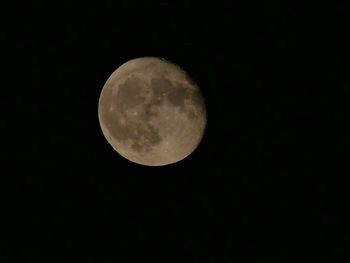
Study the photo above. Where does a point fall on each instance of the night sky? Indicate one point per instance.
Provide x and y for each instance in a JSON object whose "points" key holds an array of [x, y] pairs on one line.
{"points": [[268, 183]]}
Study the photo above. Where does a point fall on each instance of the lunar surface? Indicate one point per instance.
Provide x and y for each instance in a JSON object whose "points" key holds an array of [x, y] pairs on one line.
{"points": [[151, 112]]}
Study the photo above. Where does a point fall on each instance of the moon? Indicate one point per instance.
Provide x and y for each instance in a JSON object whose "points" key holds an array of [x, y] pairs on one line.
{"points": [[151, 112]]}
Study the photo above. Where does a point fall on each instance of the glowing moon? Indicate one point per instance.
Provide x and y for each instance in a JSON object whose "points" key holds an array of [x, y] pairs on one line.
{"points": [[151, 112]]}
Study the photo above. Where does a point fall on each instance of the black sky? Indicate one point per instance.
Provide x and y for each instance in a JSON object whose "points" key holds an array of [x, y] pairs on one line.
{"points": [[268, 183]]}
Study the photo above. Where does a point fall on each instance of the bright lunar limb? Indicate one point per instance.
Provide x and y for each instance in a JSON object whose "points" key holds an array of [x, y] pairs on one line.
{"points": [[151, 112]]}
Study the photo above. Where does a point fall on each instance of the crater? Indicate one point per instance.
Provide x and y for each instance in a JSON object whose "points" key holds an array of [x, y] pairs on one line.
{"points": [[130, 93], [124, 127], [147, 138], [190, 114], [177, 96], [196, 98], [137, 130], [160, 86], [147, 113]]}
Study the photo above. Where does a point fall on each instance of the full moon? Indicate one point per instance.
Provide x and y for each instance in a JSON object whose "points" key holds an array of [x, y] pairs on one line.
{"points": [[151, 112]]}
